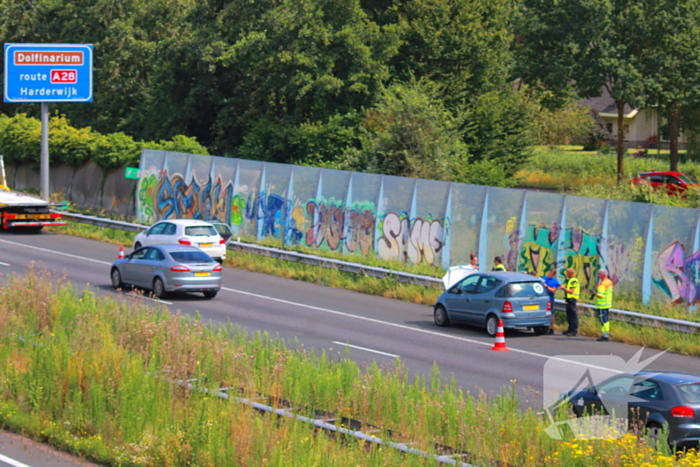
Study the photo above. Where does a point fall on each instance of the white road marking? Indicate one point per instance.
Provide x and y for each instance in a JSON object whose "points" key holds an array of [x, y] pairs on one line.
{"points": [[4, 264], [367, 350], [347, 315], [56, 252], [410, 328], [12, 462]]}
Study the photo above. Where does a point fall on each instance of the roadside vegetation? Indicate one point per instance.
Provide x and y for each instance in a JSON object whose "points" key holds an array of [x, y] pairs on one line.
{"points": [[571, 169], [98, 377]]}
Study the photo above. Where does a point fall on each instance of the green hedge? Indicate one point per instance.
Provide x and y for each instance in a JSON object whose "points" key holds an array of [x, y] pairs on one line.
{"points": [[20, 142]]}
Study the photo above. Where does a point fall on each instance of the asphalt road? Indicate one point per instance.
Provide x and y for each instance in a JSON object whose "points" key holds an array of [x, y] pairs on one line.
{"points": [[367, 327]]}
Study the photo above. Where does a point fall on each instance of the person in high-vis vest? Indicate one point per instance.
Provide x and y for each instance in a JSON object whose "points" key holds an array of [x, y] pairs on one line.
{"points": [[498, 264], [603, 301], [572, 290]]}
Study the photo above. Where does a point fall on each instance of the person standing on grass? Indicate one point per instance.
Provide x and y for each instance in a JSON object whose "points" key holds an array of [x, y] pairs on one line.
{"points": [[603, 301], [551, 283], [498, 265], [572, 290]]}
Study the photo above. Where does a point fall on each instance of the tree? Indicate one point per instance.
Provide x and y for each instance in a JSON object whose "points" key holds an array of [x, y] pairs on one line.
{"points": [[588, 45], [672, 66]]}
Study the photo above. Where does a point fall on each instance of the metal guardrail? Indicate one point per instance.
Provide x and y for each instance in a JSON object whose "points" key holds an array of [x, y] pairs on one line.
{"points": [[626, 316]]}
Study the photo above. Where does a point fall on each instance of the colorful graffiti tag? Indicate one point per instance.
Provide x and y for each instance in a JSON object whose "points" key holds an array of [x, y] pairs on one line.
{"points": [[171, 197], [414, 240], [677, 275]]}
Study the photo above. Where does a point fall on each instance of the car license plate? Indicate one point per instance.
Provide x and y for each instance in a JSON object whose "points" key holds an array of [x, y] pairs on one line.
{"points": [[531, 307], [205, 245], [201, 274]]}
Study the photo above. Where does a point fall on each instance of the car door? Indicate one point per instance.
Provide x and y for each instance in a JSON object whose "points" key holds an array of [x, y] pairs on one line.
{"points": [[483, 300], [154, 234], [609, 397], [131, 267], [459, 298], [646, 399], [148, 266]]}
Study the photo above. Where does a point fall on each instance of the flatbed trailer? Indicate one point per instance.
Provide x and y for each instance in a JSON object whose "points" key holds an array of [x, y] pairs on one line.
{"points": [[22, 210]]}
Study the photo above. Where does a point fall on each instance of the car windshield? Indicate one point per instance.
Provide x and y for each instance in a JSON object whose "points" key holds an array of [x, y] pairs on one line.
{"points": [[190, 256], [200, 231], [691, 392], [687, 179], [525, 289]]}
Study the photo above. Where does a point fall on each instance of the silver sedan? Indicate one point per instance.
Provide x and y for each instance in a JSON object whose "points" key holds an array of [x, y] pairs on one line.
{"points": [[168, 269]]}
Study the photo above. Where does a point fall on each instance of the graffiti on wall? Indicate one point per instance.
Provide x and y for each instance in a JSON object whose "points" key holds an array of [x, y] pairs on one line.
{"points": [[415, 240], [171, 197], [678, 275]]}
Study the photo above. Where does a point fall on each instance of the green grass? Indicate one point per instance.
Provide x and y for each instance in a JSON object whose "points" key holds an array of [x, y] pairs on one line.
{"points": [[94, 376]]}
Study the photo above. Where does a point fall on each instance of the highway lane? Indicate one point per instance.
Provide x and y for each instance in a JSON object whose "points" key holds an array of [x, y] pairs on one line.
{"points": [[369, 328]]}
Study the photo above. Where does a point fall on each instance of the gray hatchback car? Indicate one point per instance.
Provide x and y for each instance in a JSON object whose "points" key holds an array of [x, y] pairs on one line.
{"points": [[481, 299]]}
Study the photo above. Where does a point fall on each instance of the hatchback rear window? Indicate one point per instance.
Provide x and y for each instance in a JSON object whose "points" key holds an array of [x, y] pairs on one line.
{"points": [[691, 392], [200, 231], [190, 256], [525, 289]]}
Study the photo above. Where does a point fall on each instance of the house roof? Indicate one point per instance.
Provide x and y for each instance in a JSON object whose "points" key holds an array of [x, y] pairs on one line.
{"points": [[605, 105]]}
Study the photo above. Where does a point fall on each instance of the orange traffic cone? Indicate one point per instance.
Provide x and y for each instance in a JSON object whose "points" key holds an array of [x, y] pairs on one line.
{"points": [[500, 338], [121, 252]]}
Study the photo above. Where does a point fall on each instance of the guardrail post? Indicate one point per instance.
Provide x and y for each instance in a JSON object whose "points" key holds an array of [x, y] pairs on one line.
{"points": [[646, 272]]}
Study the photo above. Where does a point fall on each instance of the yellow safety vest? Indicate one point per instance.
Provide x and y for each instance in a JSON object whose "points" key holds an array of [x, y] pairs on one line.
{"points": [[573, 284], [604, 294], [499, 267]]}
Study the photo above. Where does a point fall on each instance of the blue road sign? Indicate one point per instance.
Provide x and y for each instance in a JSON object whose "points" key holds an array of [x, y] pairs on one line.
{"points": [[48, 73]]}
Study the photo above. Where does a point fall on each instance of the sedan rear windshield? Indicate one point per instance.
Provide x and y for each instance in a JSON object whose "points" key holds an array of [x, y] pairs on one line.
{"points": [[200, 231], [190, 256], [691, 392], [525, 289]]}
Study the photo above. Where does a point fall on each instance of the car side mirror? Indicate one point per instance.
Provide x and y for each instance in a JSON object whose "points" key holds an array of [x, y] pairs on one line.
{"points": [[593, 390], [456, 290]]}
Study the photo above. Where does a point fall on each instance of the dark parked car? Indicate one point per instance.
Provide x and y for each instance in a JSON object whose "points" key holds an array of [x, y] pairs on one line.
{"points": [[654, 399], [675, 183], [168, 268], [481, 299]]}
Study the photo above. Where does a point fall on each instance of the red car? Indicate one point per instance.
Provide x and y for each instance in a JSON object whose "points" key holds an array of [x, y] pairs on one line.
{"points": [[674, 182]]}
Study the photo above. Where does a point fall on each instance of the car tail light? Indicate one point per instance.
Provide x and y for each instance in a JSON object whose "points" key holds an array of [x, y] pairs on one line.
{"points": [[184, 241], [180, 268], [222, 240], [507, 308], [54, 215], [549, 305], [683, 411], [217, 268], [10, 216]]}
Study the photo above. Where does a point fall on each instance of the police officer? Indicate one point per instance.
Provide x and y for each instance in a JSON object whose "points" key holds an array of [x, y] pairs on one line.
{"points": [[573, 291], [498, 264], [603, 301]]}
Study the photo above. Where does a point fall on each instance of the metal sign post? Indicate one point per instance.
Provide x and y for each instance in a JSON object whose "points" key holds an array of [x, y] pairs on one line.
{"points": [[47, 73]]}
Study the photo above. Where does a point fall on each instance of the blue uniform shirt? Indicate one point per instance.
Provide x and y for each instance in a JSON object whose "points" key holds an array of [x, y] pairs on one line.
{"points": [[550, 282]]}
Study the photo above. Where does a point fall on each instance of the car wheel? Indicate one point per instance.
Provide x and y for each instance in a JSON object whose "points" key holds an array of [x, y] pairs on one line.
{"points": [[541, 330], [440, 316], [159, 288], [210, 294], [652, 432], [137, 245], [116, 279], [492, 325]]}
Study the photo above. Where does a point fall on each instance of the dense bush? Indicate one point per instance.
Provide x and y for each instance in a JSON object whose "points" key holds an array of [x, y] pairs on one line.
{"points": [[20, 142]]}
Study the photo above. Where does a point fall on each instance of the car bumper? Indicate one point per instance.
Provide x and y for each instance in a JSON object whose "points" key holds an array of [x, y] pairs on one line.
{"points": [[686, 435], [193, 284], [526, 322]]}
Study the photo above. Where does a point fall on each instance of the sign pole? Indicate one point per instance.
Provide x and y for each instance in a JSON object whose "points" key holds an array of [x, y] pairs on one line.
{"points": [[45, 150]]}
